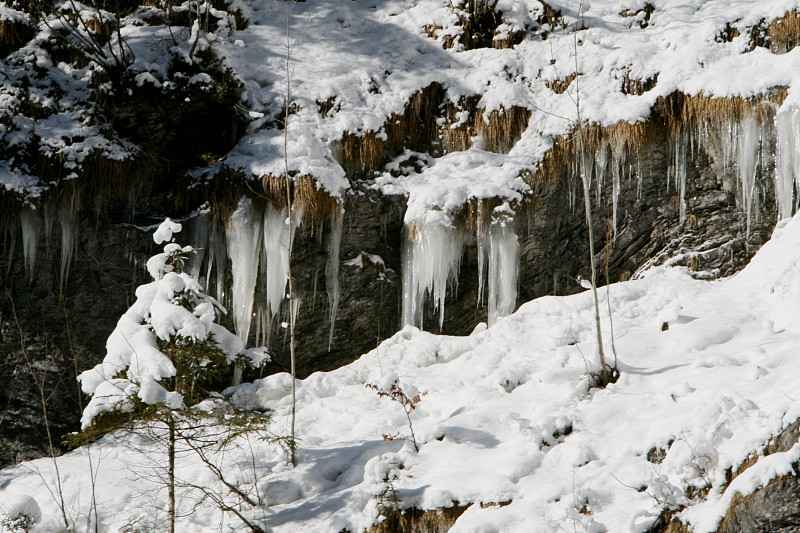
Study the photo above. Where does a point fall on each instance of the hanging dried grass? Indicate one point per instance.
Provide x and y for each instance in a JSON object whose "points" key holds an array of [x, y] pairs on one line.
{"points": [[560, 85], [13, 34], [459, 124], [314, 204], [501, 129], [784, 33], [416, 128], [362, 155]]}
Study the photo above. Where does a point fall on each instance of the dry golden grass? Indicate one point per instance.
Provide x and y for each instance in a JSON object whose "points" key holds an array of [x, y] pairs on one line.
{"points": [[99, 176], [314, 204], [457, 138], [478, 212], [669, 114], [417, 521], [13, 35], [784, 33], [362, 155], [501, 129], [416, 128], [637, 86], [560, 85], [449, 41]]}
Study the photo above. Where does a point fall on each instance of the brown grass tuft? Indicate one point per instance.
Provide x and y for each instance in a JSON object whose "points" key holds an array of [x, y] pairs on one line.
{"points": [[560, 85], [501, 129], [417, 521], [362, 155], [478, 212], [13, 34], [313, 203], [449, 41], [99, 176], [457, 138], [784, 32], [637, 86], [416, 128]]}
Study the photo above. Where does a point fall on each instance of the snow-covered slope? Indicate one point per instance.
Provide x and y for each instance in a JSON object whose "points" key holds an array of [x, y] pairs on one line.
{"points": [[506, 415]]}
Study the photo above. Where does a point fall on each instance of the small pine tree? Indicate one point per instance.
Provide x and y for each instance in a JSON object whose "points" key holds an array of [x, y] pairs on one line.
{"points": [[167, 346], [162, 357]]}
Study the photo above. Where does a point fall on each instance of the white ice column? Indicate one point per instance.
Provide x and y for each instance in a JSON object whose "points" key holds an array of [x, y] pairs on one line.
{"points": [[431, 259]]}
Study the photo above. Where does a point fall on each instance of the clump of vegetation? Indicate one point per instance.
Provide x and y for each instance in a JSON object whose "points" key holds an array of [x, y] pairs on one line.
{"points": [[408, 400], [157, 379]]}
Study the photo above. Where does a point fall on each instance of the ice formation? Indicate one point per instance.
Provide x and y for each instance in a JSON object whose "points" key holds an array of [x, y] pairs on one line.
{"points": [[747, 157], [198, 236], [332, 269], [217, 261], [503, 270], [431, 259], [68, 218], [278, 233], [787, 164], [679, 143], [29, 220], [243, 236], [481, 238], [617, 162], [601, 162]]}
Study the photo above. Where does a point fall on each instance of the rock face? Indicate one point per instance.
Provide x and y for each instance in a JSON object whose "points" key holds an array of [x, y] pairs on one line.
{"points": [[62, 327], [774, 508]]}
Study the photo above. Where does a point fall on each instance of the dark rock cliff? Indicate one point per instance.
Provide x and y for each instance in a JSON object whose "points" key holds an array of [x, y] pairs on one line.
{"points": [[60, 328]]}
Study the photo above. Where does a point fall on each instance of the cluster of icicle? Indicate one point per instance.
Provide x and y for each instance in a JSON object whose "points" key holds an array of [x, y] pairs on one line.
{"points": [[432, 258], [756, 145], [30, 222], [595, 164], [257, 241]]}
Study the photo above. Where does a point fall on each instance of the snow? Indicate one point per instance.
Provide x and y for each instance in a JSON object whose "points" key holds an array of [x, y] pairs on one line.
{"points": [[506, 415], [165, 231]]}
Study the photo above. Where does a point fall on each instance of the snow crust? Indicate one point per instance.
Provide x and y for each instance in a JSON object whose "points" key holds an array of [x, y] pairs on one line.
{"points": [[507, 415]]}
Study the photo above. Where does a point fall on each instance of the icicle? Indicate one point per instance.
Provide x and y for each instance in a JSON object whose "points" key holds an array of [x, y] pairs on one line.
{"points": [[617, 161], [49, 218], [787, 164], [277, 229], [747, 158], [68, 218], [431, 257], [217, 261], [244, 239], [29, 220], [503, 270], [601, 161], [639, 178], [679, 170], [481, 240], [10, 230], [332, 268], [198, 238]]}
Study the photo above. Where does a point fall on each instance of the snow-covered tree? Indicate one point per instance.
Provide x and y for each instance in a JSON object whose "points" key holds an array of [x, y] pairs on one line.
{"points": [[166, 346], [165, 351]]}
